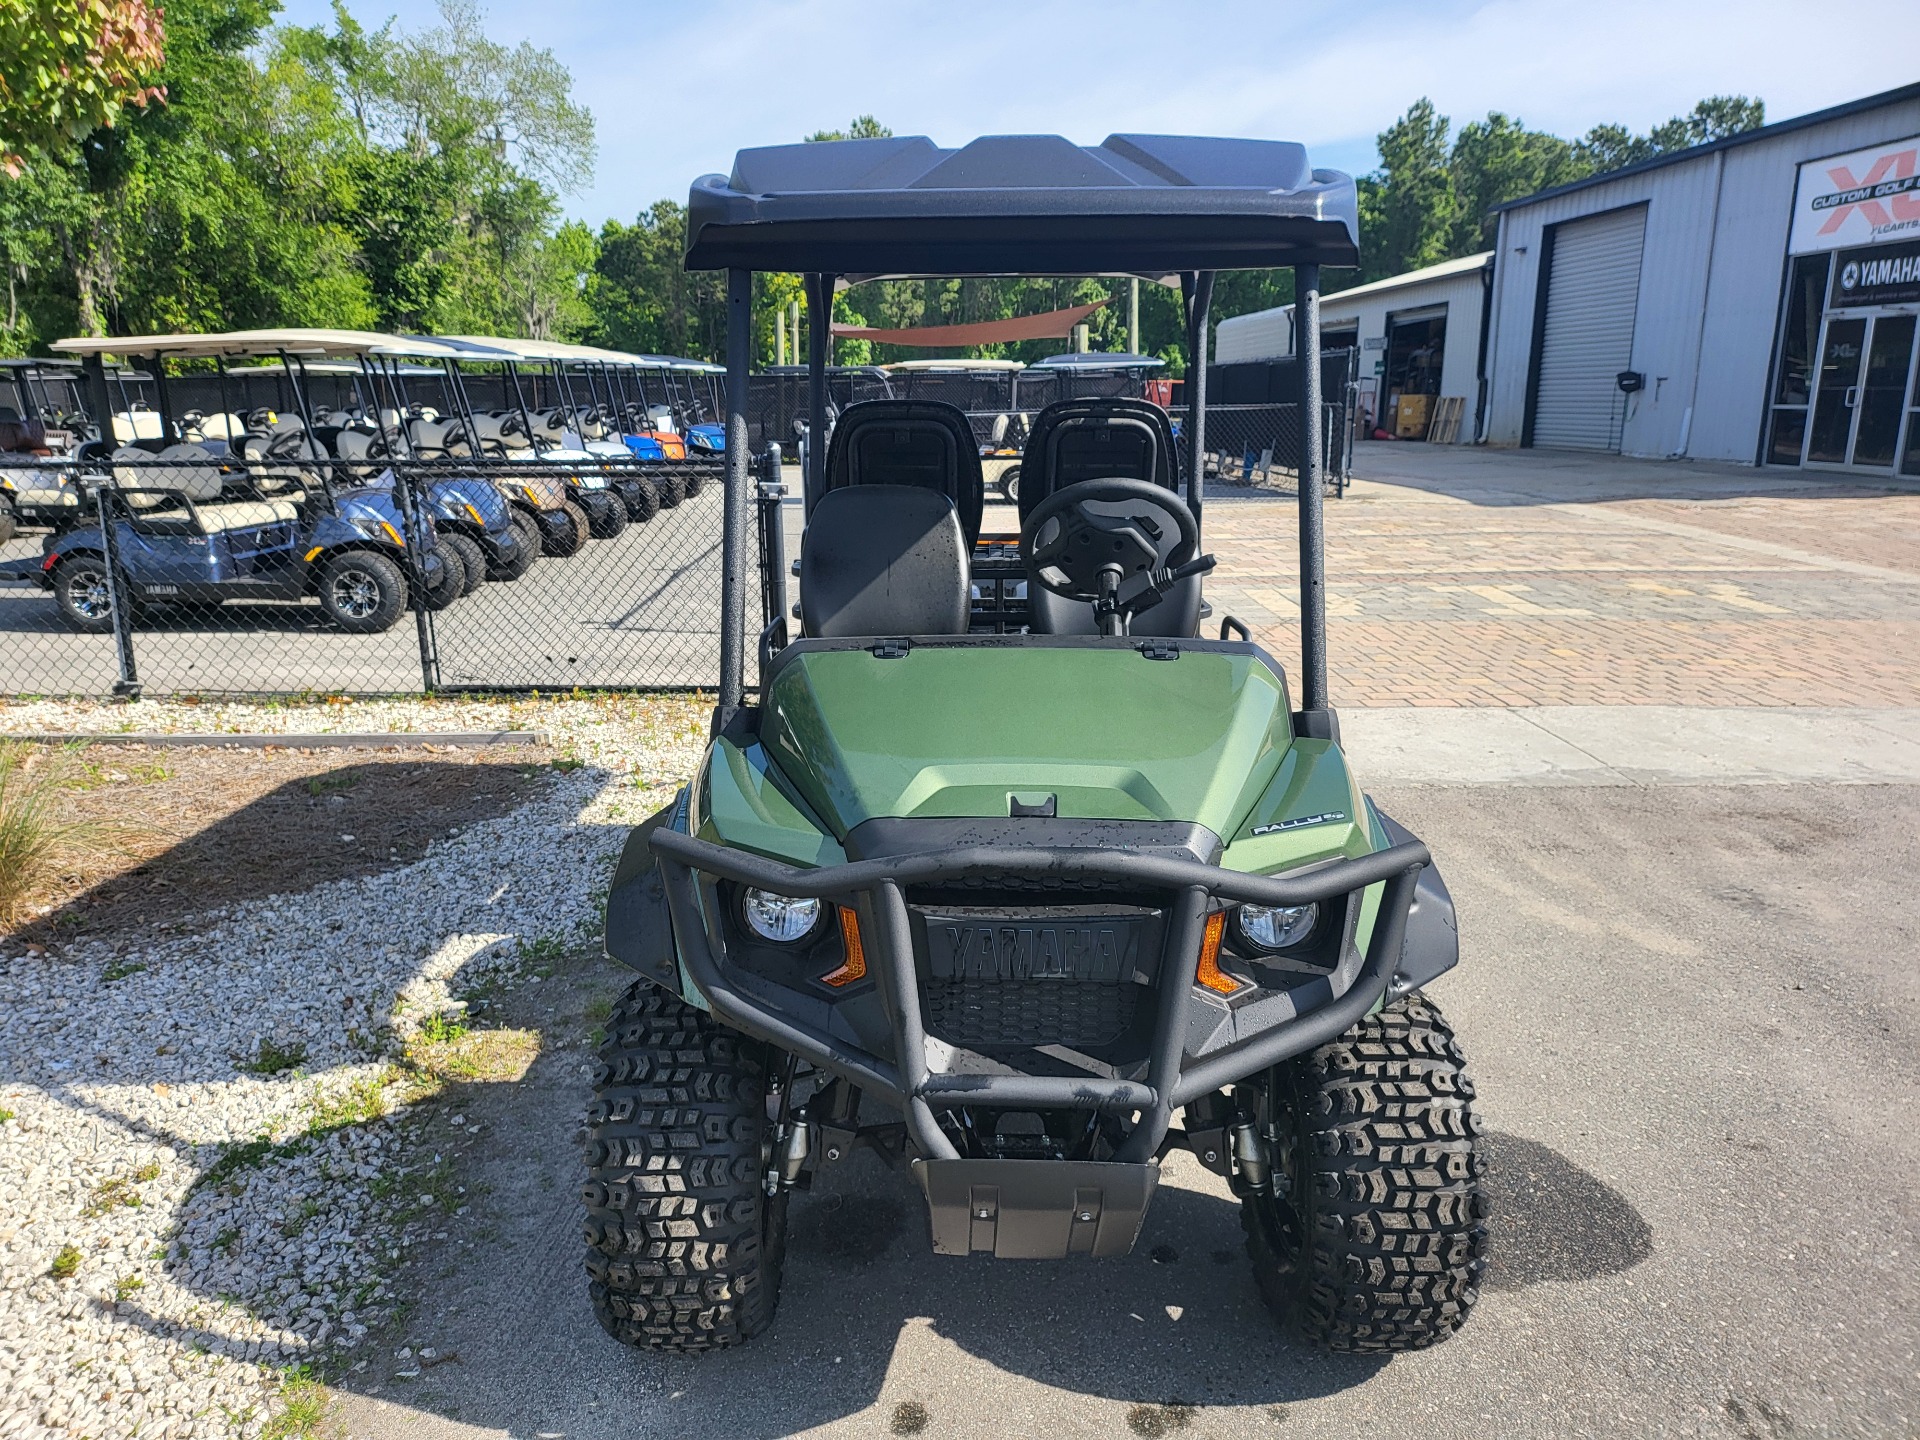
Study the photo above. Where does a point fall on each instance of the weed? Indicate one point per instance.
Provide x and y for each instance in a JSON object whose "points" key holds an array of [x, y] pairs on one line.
{"points": [[273, 1058], [243, 1155], [541, 953], [120, 970], [444, 1029], [65, 1263], [567, 764], [302, 1410], [148, 1171], [37, 836], [5, 1115], [296, 1223], [360, 1102], [227, 1239], [330, 784], [111, 1195], [599, 1009], [126, 1285]]}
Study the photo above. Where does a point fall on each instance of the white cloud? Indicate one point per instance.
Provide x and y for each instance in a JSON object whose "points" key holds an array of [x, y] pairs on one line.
{"points": [[677, 86]]}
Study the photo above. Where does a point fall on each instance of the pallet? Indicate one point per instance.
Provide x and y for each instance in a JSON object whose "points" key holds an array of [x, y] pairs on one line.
{"points": [[1444, 427]]}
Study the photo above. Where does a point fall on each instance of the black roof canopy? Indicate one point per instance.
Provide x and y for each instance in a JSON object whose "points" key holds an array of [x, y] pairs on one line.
{"points": [[1150, 205]]}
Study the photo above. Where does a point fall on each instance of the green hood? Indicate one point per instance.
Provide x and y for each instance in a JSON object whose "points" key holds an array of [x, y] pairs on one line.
{"points": [[954, 731]]}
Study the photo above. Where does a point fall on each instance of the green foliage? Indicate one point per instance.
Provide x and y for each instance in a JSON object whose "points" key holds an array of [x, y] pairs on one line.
{"points": [[70, 66], [65, 1263], [1430, 201]]}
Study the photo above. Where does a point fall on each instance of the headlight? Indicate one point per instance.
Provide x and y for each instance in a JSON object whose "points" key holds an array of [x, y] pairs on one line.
{"points": [[1266, 927], [782, 919]]}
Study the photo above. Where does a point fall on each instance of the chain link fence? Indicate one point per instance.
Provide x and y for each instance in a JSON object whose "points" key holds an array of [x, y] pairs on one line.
{"points": [[286, 574]]}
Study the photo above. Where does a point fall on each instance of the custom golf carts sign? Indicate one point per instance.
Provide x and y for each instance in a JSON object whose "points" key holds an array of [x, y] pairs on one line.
{"points": [[1862, 198]]}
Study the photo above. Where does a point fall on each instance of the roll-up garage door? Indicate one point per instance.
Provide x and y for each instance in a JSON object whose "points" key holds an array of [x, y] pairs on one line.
{"points": [[1593, 290]]}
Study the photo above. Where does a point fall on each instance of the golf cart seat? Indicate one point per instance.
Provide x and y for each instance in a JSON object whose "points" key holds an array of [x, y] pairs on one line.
{"points": [[924, 444], [205, 485], [883, 560], [1100, 438]]}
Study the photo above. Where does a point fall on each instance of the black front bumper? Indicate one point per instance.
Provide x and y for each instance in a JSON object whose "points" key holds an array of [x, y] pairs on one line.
{"points": [[875, 889]]}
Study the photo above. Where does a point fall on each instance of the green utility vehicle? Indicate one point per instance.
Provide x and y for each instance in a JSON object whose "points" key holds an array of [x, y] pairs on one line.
{"points": [[1007, 871]]}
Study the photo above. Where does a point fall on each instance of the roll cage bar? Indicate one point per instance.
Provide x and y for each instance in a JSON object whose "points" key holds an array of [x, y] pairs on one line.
{"points": [[1173, 209]]}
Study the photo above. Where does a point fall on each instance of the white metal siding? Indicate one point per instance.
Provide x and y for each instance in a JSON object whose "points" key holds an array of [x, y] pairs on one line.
{"points": [[1709, 287], [1263, 335], [1593, 292]]}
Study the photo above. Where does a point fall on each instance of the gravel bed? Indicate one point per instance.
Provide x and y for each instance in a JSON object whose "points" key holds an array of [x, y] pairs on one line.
{"points": [[216, 1226]]}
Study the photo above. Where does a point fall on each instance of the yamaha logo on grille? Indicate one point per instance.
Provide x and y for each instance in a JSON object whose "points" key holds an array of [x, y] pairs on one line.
{"points": [[1102, 952]]}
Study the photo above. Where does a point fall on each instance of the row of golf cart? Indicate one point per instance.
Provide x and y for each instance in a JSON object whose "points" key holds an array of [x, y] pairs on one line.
{"points": [[364, 472]]}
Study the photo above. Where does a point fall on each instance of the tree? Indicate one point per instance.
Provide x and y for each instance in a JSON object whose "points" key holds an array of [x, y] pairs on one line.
{"points": [[71, 66], [1409, 204], [861, 127], [1496, 160]]}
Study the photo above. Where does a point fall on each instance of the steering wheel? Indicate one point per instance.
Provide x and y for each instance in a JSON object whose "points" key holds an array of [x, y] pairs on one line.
{"points": [[1084, 540]]}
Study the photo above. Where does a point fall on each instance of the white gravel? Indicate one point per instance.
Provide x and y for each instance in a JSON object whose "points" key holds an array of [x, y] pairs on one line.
{"points": [[189, 1302]]}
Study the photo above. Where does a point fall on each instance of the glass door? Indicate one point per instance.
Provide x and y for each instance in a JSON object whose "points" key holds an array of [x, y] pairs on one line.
{"points": [[1837, 391], [1861, 391], [1883, 390]]}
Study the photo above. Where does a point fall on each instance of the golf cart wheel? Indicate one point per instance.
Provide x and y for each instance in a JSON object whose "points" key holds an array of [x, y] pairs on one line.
{"points": [[9, 522], [527, 533], [672, 488], [1010, 484], [564, 534], [643, 501], [606, 515], [452, 583], [684, 1243], [81, 590], [690, 486], [362, 591], [473, 560], [1371, 1235]]}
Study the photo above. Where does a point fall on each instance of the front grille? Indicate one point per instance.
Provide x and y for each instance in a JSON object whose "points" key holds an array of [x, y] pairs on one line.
{"points": [[1031, 1012]]}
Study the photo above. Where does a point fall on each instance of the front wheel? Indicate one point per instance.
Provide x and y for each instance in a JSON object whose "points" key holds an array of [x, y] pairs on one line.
{"points": [[1371, 1234], [1010, 484], [473, 560], [684, 1245], [606, 514], [452, 583], [362, 591], [527, 533], [83, 593], [672, 488]]}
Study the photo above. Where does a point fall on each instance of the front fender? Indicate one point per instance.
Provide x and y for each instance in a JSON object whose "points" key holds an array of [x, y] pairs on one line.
{"points": [[639, 930]]}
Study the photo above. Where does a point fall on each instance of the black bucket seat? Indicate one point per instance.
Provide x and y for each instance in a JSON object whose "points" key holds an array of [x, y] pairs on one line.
{"points": [[924, 444], [1102, 438]]}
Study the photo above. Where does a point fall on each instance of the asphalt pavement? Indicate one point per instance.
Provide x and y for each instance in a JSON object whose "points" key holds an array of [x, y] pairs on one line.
{"points": [[1690, 1009]]}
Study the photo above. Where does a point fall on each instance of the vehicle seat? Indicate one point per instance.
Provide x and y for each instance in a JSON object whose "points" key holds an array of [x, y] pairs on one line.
{"points": [[925, 444], [1098, 438], [883, 560]]}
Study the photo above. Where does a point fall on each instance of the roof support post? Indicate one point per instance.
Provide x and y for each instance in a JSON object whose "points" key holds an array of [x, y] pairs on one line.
{"points": [[733, 533], [819, 347], [1199, 308], [1313, 535]]}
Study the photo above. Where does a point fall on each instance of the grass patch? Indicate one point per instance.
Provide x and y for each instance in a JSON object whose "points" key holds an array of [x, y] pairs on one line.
{"points": [[332, 784], [125, 1287], [303, 1410], [39, 838], [65, 1263], [567, 764], [471, 1055], [273, 1058], [120, 970], [444, 1029]]}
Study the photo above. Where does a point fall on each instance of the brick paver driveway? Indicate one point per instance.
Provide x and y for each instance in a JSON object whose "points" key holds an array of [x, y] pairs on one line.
{"points": [[1474, 577]]}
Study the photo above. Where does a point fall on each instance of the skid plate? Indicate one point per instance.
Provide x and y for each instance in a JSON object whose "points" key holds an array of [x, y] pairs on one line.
{"points": [[1035, 1209]]}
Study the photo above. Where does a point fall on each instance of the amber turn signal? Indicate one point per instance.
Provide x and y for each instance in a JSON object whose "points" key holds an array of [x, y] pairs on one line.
{"points": [[854, 967], [1210, 974]]}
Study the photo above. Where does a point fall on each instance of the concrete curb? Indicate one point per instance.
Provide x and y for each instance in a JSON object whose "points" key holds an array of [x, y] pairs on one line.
{"points": [[397, 740]]}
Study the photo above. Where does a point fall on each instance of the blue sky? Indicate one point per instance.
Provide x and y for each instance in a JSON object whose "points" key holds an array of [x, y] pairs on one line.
{"points": [[677, 86]]}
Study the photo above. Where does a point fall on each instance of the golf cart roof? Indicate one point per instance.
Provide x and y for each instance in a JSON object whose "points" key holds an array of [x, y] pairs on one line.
{"points": [[955, 366], [1096, 360], [41, 362], [1149, 205], [680, 362], [562, 350], [240, 343]]}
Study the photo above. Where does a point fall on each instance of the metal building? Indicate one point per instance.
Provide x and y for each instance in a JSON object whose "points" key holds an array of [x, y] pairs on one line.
{"points": [[1420, 336], [1754, 300]]}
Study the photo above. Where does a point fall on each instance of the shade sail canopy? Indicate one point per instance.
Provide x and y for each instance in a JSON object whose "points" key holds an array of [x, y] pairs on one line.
{"points": [[1151, 205], [1046, 326]]}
